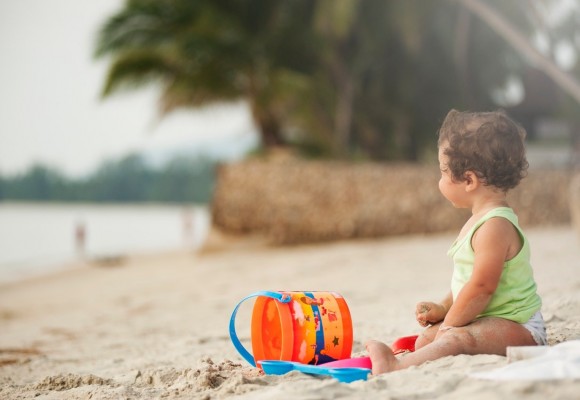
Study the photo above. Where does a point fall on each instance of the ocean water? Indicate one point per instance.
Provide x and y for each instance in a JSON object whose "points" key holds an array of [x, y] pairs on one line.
{"points": [[38, 238]]}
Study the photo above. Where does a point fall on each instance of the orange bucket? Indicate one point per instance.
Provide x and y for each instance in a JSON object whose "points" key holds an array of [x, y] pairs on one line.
{"points": [[306, 327]]}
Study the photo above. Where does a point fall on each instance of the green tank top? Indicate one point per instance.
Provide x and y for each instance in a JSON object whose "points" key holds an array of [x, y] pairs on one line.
{"points": [[516, 297]]}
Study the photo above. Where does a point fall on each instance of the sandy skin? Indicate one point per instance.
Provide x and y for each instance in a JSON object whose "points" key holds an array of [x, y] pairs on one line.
{"points": [[484, 336]]}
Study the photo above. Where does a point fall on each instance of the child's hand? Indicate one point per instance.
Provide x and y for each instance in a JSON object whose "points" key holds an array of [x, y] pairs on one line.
{"points": [[428, 313]]}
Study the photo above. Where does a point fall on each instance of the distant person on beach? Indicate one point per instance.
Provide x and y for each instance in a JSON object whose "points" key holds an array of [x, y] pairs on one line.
{"points": [[493, 302], [187, 225], [80, 238]]}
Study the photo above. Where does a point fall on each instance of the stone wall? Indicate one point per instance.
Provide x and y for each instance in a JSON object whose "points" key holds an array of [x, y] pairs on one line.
{"points": [[296, 201]]}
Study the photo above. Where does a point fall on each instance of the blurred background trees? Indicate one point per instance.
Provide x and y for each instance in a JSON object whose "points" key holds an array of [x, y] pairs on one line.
{"points": [[341, 79], [349, 79], [132, 178]]}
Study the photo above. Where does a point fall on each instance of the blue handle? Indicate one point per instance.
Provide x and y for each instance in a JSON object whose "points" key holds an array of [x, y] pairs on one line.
{"points": [[282, 298], [346, 375]]}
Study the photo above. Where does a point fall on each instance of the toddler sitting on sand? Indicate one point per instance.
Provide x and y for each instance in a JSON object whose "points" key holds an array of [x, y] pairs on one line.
{"points": [[493, 301]]}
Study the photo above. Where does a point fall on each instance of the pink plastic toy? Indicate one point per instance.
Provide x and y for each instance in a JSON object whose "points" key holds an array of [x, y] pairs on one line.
{"points": [[401, 345]]}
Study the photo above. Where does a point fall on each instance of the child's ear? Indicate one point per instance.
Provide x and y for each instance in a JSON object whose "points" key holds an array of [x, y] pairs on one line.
{"points": [[471, 181]]}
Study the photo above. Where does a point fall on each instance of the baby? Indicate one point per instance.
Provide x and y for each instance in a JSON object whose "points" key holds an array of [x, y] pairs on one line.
{"points": [[493, 301]]}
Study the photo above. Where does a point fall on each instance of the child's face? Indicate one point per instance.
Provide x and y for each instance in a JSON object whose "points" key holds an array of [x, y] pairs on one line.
{"points": [[452, 190]]}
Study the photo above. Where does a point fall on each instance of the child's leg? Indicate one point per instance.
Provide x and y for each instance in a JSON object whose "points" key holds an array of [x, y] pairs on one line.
{"points": [[427, 336], [484, 336]]}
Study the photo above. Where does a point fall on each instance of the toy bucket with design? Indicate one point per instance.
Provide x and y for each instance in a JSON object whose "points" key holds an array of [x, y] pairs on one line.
{"points": [[306, 327]]}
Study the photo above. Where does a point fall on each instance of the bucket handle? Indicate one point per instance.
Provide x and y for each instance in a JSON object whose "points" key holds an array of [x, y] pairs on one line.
{"points": [[281, 297]]}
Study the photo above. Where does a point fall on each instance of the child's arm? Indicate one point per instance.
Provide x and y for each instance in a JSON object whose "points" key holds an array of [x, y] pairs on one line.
{"points": [[491, 244]]}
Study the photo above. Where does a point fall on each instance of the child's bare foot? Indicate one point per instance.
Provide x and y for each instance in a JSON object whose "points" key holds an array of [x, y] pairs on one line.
{"points": [[382, 357]]}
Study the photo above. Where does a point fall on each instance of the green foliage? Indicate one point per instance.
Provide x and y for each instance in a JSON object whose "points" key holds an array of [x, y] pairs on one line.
{"points": [[39, 182], [334, 78], [183, 180], [130, 179]]}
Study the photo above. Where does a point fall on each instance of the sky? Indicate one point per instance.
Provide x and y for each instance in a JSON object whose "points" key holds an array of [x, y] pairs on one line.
{"points": [[50, 106]]}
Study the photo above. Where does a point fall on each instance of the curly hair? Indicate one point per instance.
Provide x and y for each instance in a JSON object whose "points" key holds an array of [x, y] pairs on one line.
{"points": [[489, 144]]}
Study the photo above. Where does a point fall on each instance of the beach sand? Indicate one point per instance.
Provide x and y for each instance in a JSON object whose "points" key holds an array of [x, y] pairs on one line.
{"points": [[157, 326]]}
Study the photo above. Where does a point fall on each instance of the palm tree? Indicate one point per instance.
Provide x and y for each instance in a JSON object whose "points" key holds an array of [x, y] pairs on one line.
{"points": [[208, 51]]}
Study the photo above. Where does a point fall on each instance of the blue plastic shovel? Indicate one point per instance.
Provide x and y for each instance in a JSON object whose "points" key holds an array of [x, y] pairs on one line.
{"points": [[346, 375]]}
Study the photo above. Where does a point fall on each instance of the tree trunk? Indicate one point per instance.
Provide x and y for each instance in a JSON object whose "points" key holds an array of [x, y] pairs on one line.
{"points": [[270, 132], [521, 44], [268, 123], [461, 58], [343, 113]]}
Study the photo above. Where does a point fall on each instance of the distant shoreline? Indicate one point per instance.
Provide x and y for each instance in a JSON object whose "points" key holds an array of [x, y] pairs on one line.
{"points": [[39, 237]]}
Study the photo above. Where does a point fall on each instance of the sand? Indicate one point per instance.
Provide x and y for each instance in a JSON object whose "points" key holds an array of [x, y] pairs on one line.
{"points": [[157, 326]]}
